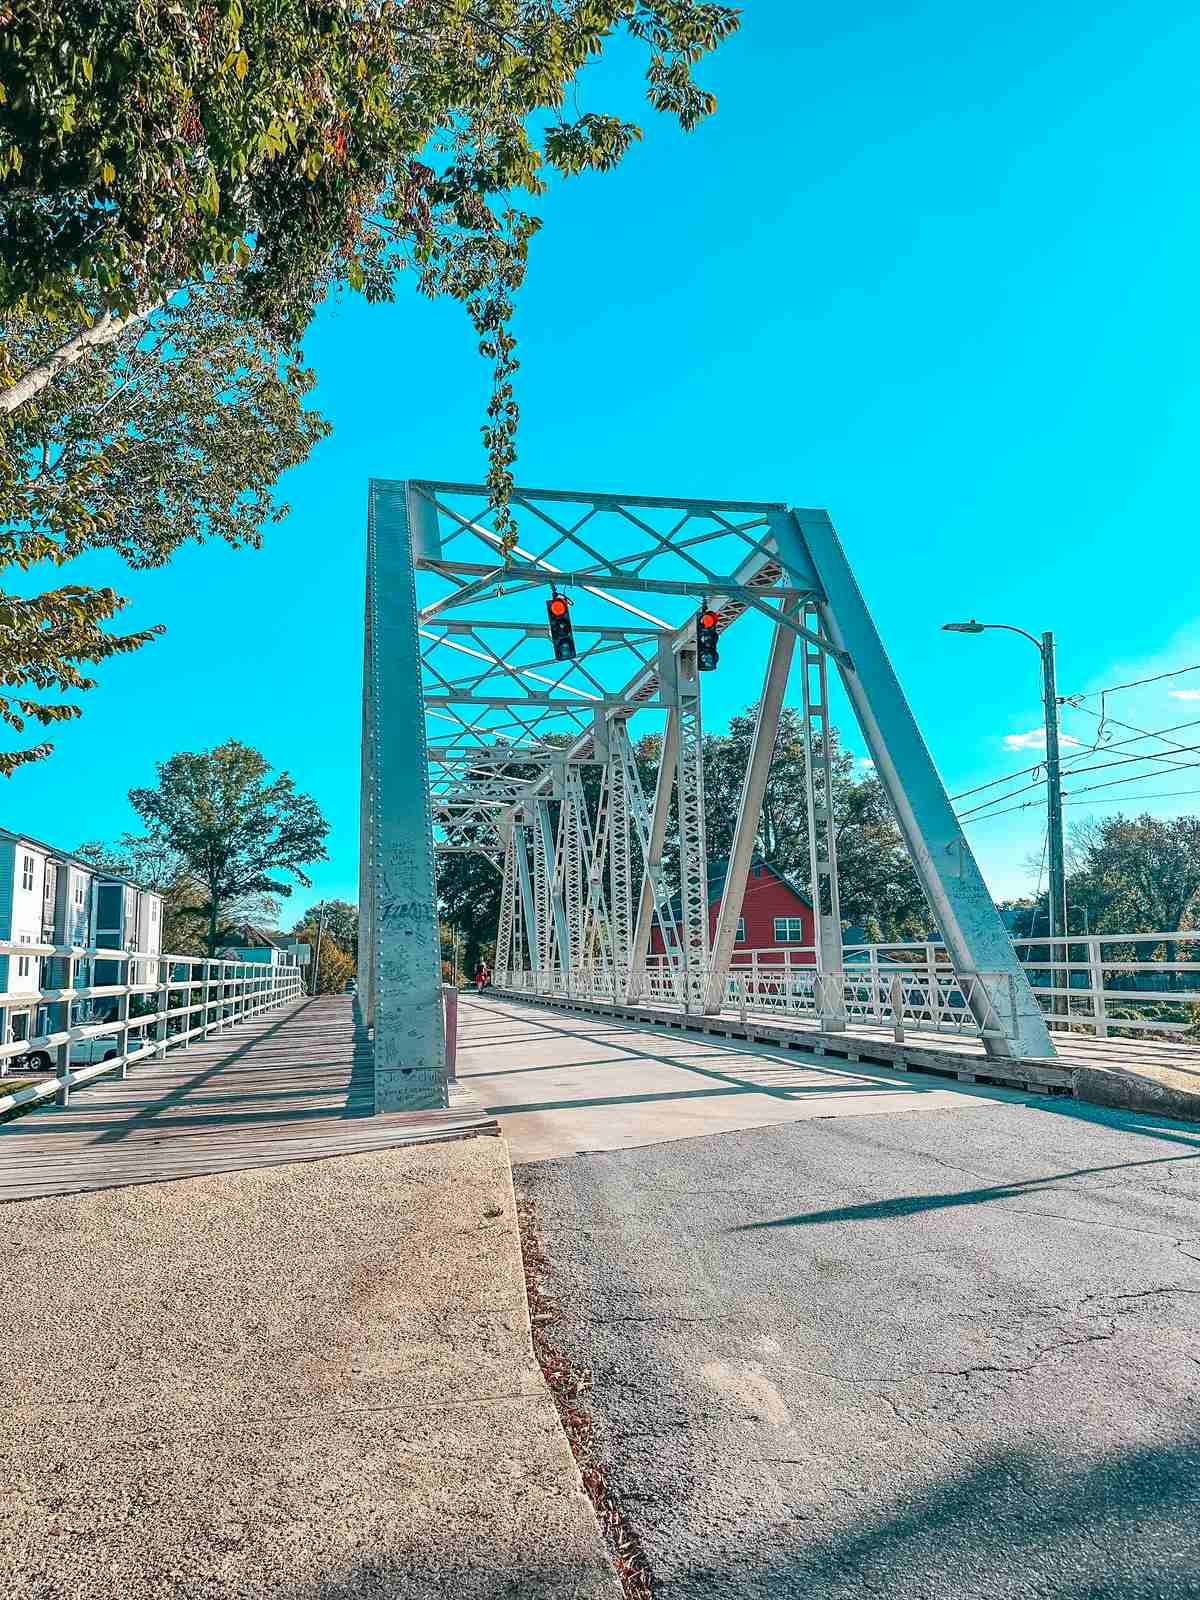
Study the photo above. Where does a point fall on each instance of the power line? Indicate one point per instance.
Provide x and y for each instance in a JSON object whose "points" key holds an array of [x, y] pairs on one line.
{"points": [[1144, 733], [1120, 799], [1029, 805], [1078, 755], [1137, 683], [1102, 766]]}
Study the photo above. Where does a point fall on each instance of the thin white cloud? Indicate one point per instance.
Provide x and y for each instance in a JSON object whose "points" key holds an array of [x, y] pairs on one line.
{"points": [[866, 763], [1184, 694], [1035, 739]]}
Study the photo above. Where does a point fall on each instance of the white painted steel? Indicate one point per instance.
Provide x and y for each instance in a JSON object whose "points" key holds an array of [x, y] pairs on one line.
{"points": [[226, 993]]}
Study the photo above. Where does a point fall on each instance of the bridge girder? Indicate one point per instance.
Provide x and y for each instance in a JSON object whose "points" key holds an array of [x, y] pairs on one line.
{"points": [[530, 762]]}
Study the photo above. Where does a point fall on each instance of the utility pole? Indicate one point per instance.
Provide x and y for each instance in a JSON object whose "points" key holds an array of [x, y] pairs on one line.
{"points": [[1057, 898], [316, 967], [1054, 829]]}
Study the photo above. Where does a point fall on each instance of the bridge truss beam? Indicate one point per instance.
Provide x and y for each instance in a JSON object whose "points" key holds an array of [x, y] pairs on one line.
{"points": [[541, 766]]}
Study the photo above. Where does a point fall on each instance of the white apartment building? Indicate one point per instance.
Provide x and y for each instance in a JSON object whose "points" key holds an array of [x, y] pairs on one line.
{"points": [[49, 896]]}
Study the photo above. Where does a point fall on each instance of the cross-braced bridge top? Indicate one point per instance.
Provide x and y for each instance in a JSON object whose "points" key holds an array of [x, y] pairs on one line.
{"points": [[501, 711]]}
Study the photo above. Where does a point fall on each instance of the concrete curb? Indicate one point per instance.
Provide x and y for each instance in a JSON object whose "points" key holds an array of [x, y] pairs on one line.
{"points": [[1127, 1091]]}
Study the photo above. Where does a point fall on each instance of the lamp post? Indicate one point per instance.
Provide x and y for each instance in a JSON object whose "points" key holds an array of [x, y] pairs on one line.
{"points": [[1054, 823]]}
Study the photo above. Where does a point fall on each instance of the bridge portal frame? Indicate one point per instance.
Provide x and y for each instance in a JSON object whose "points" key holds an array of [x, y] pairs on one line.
{"points": [[521, 737]]}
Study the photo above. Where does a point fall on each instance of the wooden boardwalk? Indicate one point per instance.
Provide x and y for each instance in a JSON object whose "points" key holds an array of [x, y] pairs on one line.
{"points": [[292, 1085]]}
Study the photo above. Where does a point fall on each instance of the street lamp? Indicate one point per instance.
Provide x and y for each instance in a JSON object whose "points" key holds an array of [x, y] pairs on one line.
{"points": [[1054, 822]]}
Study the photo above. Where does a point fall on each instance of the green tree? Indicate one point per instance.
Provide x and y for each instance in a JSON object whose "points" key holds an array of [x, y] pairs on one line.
{"points": [[1132, 875], [341, 924], [468, 888], [159, 438], [233, 827], [335, 964], [306, 141]]}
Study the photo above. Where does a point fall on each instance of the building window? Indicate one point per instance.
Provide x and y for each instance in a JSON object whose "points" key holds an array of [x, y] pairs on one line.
{"points": [[740, 935], [27, 872], [24, 962], [789, 930], [79, 892], [154, 911]]}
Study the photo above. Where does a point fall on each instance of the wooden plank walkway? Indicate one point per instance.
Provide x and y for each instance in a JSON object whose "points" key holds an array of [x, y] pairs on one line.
{"points": [[292, 1085]]}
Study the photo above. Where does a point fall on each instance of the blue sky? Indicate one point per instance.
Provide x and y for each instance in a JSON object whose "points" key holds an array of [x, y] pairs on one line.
{"points": [[933, 268]]}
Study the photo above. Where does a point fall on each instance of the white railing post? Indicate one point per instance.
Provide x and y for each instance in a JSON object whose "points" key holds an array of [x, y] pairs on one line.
{"points": [[898, 1010], [931, 981], [64, 1050], [741, 983], [123, 1020], [1096, 984], [873, 972], [162, 1005]]}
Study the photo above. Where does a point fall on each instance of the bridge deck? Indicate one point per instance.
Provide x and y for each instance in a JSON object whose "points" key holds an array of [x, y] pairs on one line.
{"points": [[564, 1081], [1172, 1063], [294, 1085]]}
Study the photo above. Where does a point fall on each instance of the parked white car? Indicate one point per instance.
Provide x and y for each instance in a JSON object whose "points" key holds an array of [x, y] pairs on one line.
{"points": [[103, 1047]]}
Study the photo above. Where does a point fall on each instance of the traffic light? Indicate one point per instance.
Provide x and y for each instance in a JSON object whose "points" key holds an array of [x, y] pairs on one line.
{"points": [[706, 640], [563, 639]]}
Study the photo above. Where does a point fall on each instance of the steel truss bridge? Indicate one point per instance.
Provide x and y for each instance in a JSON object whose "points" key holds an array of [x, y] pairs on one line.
{"points": [[476, 739]]}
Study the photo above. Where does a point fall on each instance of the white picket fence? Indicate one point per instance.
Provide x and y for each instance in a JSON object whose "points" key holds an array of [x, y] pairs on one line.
{"points": [[186, 997]]}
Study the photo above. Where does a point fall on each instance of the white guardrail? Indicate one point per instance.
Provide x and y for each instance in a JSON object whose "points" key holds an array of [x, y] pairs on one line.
{"points": [[184, 998], [1102, 984]]}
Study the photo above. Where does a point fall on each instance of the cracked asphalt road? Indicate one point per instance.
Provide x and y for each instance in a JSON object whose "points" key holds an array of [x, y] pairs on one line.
{"points": [[945, 1356]]}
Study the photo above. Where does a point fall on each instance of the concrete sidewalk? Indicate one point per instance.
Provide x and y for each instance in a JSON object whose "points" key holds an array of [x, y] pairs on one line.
{"points": [[305, 1381]]}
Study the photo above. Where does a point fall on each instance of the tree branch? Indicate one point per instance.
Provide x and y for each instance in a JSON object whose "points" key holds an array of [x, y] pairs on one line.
{"points": [[102, 332]]}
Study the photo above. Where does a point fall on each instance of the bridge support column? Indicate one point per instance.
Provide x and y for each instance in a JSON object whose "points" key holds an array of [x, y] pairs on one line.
{"points": [[754, 788], [400, 910]]}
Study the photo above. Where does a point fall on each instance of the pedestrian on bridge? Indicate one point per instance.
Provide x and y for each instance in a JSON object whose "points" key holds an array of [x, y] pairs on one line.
{"points": [[482, 977]]}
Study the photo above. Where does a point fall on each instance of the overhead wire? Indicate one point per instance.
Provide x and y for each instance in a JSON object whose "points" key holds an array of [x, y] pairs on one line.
{"points": [[1099, 766], [996, 805], [1137, 683], [1078, 755]]}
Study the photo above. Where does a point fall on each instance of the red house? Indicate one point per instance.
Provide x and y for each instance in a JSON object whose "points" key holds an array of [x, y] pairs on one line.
{"points": [[775, 913]]}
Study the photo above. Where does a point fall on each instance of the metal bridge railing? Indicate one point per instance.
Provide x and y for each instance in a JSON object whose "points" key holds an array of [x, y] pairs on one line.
{"points": [[158, 1002], [1101, 984], [945, 1004]]}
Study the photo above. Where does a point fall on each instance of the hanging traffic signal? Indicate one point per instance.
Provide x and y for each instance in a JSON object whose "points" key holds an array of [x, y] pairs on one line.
{"points": [[706, 640], [561, 636]]}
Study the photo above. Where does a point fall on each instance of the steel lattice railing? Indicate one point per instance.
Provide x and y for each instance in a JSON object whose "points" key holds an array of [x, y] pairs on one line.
{"points": [[1110, 989]]}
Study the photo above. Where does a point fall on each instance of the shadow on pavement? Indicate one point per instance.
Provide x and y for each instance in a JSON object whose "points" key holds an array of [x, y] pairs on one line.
{"points": [[1012, 1525], [911, 1204]]}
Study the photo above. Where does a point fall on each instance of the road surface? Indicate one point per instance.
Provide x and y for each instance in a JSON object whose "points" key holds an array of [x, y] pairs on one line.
{"points": [[922, 1353]]}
